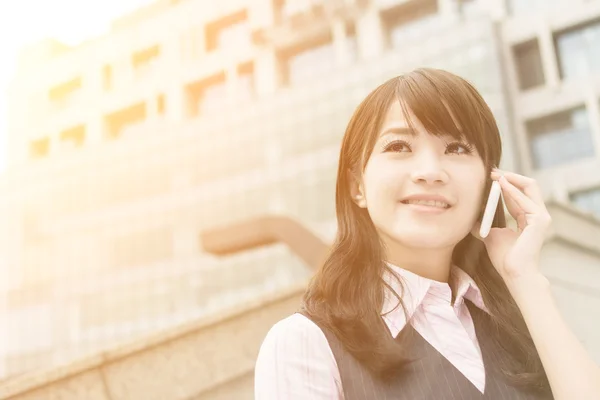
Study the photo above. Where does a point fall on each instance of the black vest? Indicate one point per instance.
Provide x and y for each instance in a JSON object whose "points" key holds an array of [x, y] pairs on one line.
{"points": [[431, 376]]}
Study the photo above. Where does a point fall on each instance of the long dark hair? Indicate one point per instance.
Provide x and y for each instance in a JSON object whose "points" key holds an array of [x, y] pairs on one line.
{"points": [[346, 294]]}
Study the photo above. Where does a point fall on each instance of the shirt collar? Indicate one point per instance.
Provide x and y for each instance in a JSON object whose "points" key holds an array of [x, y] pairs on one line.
{"points": [[416, 288]]}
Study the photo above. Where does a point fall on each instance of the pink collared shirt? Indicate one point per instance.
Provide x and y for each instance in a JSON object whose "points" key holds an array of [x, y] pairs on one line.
{"points": [[296, 362]]}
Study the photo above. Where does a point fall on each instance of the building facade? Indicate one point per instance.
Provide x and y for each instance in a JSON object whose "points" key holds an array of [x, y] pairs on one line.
{"points": [[191, 115]]}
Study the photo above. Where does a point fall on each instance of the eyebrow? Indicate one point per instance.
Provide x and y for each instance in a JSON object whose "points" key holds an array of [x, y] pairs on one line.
{"points": [[398, 130]]}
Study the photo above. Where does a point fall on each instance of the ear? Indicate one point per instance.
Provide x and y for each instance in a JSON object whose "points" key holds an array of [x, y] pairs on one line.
{"points": [[357, 191]]}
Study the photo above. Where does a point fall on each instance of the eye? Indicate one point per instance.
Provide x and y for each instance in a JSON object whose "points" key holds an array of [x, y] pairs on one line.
{"points": [[397, 146], [459, 148]]}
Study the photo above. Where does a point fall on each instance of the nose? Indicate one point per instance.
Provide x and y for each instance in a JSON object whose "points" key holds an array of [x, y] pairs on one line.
{"points": [[428, 169]]}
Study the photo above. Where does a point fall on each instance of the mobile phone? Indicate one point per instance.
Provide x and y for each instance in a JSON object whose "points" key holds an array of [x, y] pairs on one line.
{"points": [[490, 209]]}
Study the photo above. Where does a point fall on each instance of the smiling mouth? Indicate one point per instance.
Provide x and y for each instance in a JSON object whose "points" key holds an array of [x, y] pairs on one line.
{"points": [[428, 203]]}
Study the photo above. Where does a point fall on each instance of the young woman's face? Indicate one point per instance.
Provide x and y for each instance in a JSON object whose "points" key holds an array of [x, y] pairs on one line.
{"points": [[420, 190]]}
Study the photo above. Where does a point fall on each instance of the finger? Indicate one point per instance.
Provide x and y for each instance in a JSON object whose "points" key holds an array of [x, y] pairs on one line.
{"points": [[527, 185], [491, 237], [516, 211], [521, 200]]}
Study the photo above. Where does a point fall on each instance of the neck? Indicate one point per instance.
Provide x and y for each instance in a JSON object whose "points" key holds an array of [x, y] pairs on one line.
{"points": [[429, 263]]}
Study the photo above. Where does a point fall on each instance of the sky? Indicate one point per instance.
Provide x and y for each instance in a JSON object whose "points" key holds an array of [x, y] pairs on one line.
{"points": [[70, 21]]}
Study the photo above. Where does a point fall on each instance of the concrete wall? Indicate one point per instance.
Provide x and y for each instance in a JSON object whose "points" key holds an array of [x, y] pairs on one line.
{"points": [[209, 359], [575, 277], [214, 358]]}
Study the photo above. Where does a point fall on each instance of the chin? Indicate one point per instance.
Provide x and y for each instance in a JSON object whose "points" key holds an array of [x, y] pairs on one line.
{"points": [[427, 238], [428, 242]]}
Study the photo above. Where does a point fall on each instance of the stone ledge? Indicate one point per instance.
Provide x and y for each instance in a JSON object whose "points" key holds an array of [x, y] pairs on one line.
{"points": [[574, 226], [107, 367]]}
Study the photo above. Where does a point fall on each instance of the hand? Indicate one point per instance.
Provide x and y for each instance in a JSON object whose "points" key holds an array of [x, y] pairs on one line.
{"points": [[515, 254]]}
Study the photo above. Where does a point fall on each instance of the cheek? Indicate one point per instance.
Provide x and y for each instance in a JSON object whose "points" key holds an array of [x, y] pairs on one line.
{"points": [[381, 186], [376, 179], [478, 198]]}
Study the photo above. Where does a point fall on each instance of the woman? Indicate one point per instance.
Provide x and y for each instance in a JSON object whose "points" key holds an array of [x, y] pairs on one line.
{"points": [[411, 303]]}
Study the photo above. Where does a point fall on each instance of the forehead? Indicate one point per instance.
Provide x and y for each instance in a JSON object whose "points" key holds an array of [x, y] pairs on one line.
{"points": [[395, 122], [394, 116]]}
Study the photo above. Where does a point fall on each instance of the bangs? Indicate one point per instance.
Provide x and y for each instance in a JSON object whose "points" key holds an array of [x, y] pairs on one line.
{"points": [[447, 105]]}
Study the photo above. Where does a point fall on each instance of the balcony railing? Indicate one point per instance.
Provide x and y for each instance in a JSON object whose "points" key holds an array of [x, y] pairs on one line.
{"points": [[300, 16]]}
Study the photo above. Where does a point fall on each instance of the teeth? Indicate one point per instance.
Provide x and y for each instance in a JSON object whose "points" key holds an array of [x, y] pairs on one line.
{"points": [[431, 203]]}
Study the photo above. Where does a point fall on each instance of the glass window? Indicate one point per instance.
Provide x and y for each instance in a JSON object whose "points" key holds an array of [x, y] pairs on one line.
{"points": [[229, 32], [144, 60], [160, 104], [235, 37], [39, 148], [471, 8], [311, 62], [142, 248], [315, 194], [206, 95], [128, 119], [245, 84], [522, 7], [29, 329], [73, 137], [65, 94], [410, 21], [579, 51], [351, 42], [528, 61], [214, 98], [387, 3], [588, 200], [400, 34], [292, 7], [518, 7], [107, 77], [560, 138]]}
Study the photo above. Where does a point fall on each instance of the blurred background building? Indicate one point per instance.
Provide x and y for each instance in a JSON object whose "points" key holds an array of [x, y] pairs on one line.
{"points": [[193, 114]]}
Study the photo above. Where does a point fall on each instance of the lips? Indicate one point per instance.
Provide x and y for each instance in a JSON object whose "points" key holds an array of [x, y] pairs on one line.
{"points": [[428, 200], [429, 203]]}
